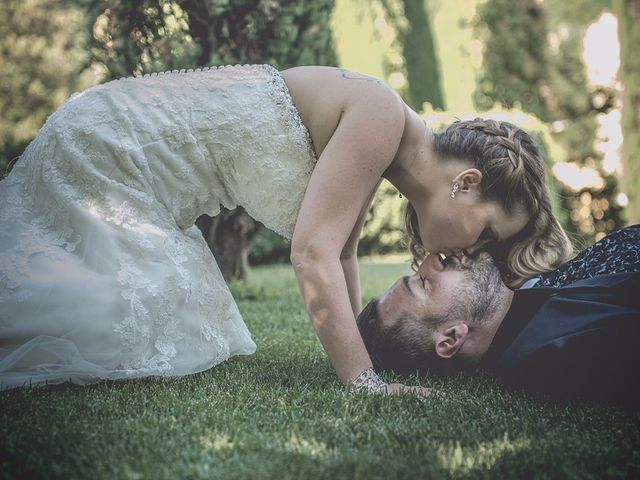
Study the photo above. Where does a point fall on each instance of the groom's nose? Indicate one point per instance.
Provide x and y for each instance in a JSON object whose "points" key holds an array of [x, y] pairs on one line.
{"points": [[429, 264], [422, 267]]}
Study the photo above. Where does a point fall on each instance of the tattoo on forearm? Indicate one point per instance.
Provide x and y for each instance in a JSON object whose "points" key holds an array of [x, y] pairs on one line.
{"points": [[353, 76]]}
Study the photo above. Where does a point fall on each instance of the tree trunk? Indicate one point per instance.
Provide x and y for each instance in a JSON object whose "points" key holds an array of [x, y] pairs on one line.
{"points": [[423, 72], [410, 19], [229, 236], [628, 12]]}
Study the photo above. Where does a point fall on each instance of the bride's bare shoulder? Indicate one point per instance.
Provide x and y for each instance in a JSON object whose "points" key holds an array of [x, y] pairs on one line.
{"points": [[332, 82], [321, 94], [323, 73]]}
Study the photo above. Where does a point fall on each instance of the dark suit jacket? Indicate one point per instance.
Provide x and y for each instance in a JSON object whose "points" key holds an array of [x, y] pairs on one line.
{"points": [[580, 341]]}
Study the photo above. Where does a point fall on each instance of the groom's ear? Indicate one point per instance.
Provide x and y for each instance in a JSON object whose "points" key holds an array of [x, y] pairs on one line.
{"points": [[449, 341]]}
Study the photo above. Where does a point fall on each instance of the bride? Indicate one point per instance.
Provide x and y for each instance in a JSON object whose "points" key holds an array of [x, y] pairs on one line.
{"points": [[103, 274]]}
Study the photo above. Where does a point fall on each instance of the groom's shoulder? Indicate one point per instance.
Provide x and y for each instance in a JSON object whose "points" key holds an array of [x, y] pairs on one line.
{"points": [[607, 280], [618, 252], [628, 232], [617, 242]]}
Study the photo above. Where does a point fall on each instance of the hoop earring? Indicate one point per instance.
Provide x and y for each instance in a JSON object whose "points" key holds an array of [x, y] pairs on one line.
{"points": [[454, 189]]}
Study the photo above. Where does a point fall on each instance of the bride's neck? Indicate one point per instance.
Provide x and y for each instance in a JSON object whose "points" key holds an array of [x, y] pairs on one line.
{"points": [[411, 171]]}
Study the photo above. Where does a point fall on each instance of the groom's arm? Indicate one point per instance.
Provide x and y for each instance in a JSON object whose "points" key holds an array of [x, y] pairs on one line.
{"points": [[349, 257]]}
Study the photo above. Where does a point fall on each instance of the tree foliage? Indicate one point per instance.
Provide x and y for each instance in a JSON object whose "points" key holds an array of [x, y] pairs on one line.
{"points": [[42, 59], [515, 61], [628, 12], [135, 37], [532, 59]]}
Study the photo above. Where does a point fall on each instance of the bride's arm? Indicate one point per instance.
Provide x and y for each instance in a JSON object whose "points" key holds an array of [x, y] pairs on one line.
{"points": [[351, 165], [349, 257]]}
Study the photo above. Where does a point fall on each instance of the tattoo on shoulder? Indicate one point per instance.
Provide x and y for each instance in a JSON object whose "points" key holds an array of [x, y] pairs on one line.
{"points": [[355, 76]]}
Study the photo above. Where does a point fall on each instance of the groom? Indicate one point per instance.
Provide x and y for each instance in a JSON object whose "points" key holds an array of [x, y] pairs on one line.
{"points": [[571, 333]]}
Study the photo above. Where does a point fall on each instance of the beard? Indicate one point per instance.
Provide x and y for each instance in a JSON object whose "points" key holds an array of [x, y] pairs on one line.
{"points": [[483, 288]]}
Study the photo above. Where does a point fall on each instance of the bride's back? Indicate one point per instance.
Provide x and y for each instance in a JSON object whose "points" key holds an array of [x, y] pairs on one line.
{"points": [[321, 95]]}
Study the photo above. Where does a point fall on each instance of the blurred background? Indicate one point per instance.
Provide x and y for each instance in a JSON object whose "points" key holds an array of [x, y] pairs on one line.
{"points": [[567, 72]]}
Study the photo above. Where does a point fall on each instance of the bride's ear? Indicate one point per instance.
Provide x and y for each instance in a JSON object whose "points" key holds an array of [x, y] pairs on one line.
{"points": [[468, 179], [449, 341]]}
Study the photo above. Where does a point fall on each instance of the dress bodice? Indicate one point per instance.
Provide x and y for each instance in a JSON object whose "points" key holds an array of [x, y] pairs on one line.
{"points": [[200, 139]]}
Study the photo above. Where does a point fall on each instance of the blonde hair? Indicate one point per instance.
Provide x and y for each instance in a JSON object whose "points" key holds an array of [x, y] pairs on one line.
{"points": [[513, 173]]}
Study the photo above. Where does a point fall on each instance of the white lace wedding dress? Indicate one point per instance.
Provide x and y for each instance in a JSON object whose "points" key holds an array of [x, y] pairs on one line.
{"points": [[103, 274]]}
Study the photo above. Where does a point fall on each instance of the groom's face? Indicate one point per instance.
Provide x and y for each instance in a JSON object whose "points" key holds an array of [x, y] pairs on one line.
{"points": [[455, 286]]}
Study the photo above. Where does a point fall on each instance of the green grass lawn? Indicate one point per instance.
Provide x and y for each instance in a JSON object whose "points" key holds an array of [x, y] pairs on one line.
{"points": [[281, 413]]}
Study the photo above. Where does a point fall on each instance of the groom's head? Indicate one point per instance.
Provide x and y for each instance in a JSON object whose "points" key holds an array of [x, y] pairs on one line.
{"points": [[441, 320]]}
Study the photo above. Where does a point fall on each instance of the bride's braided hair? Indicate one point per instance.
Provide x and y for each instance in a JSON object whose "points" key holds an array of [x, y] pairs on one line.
{"points": [[513, 173]]}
